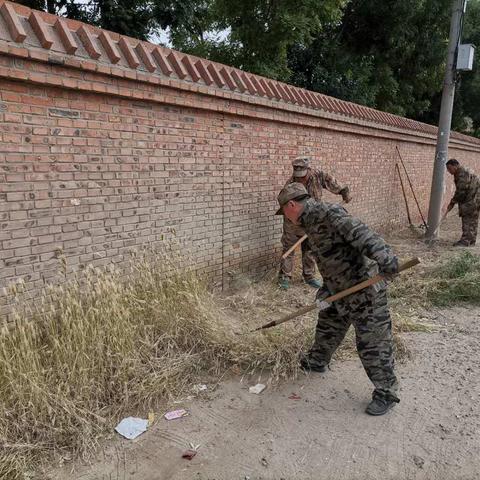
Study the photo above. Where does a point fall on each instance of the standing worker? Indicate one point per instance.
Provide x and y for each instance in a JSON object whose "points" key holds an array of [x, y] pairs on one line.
{"points": [[467, 195], [348, 252], [314, 181]]}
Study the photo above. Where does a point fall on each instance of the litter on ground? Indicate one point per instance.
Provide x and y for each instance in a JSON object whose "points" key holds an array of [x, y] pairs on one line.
{"points": [[189, 454], [257, 389], [200, 388], [131, 427], [151, 418], [174, 414], [294, 396]]}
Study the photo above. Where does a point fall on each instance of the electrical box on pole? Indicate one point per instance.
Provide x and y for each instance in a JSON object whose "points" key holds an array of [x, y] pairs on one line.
{"points": [[465, 57]]}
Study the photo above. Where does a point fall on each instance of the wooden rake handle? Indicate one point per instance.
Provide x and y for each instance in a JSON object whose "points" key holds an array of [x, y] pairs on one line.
{"points": [[332, 298], [293, 247]]}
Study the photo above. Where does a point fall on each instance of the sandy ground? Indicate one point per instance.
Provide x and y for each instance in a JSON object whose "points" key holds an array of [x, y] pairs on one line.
{"points": [[434, 433]]}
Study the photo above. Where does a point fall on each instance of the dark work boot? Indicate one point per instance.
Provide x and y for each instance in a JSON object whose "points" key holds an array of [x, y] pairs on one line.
{"points": [[284, 283], [308, 364], [380, 405], [461, 243], [314, 283]]}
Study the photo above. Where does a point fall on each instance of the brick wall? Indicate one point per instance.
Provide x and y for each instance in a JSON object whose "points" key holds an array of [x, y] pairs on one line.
{"points": [[98, 160]]}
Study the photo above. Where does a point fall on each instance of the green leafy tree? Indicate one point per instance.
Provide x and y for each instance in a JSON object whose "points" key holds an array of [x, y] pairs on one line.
{"points": [[128, 17], [194, 27], [386, 54], [50, 6], [466, 116], [253, 34], [329, 68]]}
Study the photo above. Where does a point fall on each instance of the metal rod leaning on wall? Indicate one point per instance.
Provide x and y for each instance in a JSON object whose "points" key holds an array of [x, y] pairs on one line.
{"points": [[404, 195], [411, 186]]}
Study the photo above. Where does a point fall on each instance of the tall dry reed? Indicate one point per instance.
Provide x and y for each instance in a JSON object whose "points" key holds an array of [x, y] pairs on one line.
{"points": [[107, 343]]}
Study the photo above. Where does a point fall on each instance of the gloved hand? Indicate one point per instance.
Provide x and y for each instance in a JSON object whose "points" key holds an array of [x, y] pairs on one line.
{"points": [[390, 270], [320, 296], [346, 195], [389, 277]]}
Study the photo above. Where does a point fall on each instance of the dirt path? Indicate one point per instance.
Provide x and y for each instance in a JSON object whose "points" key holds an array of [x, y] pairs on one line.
{"points": [[434, 433]]}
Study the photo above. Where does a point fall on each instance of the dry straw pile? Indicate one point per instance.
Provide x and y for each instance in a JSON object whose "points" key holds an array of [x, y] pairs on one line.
{"points": [[104, 344]]}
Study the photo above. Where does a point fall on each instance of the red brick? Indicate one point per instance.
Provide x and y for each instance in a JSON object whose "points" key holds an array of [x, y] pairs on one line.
{"points": [[201, 66], [129, 53], [146, 57], [68, 41], [214, 72], [41, 30], [162, 61], [109, 46], [15, 27], [191, 69], [225, 73], [177, 65], [88, 41]]}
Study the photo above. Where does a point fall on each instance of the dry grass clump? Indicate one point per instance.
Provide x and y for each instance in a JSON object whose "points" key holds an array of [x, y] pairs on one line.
{"points": [[13, 466], [104, 344], [257, 300]]}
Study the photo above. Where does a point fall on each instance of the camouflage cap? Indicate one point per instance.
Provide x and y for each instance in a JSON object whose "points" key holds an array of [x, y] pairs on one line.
{"points": [[290, 192], [300, 166]]}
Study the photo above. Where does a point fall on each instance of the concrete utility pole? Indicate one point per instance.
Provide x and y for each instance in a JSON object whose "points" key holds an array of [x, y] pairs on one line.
{"points": [[445, 122]]}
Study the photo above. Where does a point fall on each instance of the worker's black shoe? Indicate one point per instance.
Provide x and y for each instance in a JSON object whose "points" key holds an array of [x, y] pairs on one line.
{"points": [[314, 283], [310, 365], [461, 243], [380, 405]]}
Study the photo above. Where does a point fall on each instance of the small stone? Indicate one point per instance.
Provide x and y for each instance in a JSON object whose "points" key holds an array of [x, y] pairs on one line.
{"points": [[418, 461]]}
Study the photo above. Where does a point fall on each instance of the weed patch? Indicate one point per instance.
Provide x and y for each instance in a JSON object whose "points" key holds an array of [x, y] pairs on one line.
{"points": [[456, 281]]}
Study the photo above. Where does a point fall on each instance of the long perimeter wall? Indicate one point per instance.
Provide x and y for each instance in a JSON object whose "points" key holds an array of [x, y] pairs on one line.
{"points": [[108, 144]]}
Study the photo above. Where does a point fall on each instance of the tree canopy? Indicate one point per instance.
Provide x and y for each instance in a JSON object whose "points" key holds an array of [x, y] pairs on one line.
{"points": [[467, 100]]}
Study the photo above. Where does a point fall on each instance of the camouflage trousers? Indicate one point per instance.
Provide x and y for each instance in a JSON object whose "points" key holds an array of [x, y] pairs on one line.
{"points": [[470, 227], [368, 312], [291, 234]]}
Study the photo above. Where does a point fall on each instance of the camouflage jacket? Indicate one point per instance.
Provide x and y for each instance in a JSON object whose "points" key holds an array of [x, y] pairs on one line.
{"points": [[318, 181], [467, 190], [346, 250]]}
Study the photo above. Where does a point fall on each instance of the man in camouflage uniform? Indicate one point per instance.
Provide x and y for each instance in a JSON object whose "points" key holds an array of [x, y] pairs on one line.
{"points": [[314, 181], [467, 195], [348, 252]]}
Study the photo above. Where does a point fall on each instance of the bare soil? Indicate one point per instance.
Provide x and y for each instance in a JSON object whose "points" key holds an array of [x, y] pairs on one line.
{"points": [[434, 433]]}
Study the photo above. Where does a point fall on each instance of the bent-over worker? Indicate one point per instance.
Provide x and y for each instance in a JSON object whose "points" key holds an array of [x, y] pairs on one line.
{"points": [[314, 181], [348, 252], [467, 195]]}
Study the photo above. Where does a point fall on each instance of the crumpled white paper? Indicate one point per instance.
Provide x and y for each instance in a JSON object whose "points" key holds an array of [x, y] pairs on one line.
{"points": [[132, 427], [257, 389]]}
